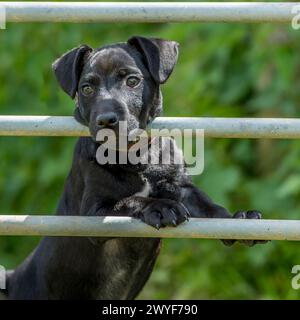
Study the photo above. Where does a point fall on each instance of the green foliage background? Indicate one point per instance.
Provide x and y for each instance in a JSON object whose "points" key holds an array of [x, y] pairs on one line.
{"points": [[226, 70]]}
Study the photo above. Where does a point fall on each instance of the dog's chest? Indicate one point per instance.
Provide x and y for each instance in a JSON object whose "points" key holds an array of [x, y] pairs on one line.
{"points": [[145, 188]]}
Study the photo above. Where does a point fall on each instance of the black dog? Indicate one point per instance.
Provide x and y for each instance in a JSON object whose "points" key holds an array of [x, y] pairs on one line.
{"points": [[115, 83]]}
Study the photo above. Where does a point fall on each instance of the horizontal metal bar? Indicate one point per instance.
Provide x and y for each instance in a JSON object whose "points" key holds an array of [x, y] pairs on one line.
{"points": [[149, 11], [41, 126], [273, 128], [129, 227]]}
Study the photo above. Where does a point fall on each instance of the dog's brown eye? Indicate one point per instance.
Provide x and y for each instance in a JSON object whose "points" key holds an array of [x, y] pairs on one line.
{"points": [[132, 82], [87, 90]]}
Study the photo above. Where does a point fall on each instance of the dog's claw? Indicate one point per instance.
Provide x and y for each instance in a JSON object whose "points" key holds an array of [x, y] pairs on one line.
{"points": [[174, 223], [157, 226]]}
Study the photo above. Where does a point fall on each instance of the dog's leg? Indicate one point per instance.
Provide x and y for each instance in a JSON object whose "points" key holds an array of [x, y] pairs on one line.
{"points": [[201, 206]]}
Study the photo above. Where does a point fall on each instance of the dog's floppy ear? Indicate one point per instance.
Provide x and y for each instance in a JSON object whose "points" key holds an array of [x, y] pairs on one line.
{"points": [[68, 67], [160, 56]]}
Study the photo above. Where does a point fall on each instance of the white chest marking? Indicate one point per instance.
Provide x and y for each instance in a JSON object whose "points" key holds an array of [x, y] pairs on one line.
{"points": [[145, 191]]}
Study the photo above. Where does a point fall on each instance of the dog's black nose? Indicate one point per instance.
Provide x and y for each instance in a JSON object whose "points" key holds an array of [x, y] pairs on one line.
{"points": [[109, 119]]}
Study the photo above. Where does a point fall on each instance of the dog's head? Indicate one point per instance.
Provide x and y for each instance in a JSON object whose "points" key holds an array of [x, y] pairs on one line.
{"points": [[120, 82]]}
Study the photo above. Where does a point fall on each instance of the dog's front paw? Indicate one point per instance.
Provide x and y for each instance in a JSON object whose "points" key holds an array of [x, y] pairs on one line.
{"points": [[246, 215], [164, 212]]}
